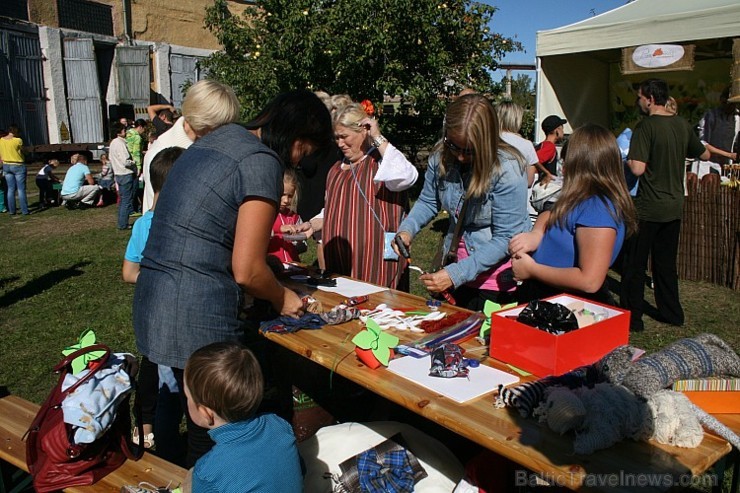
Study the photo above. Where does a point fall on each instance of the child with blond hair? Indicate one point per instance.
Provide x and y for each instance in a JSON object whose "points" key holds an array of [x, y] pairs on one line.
{"points": [[282, 242]]}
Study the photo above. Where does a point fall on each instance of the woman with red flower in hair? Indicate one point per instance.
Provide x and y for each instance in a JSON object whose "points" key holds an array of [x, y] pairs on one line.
{"points": [[367, 105], [365, 198]]}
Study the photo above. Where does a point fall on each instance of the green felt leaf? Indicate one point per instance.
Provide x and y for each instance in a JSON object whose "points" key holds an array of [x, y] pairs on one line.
{"points": [[367, 339], [87, 338], [375, 339], [383, 351], [489, 308]]}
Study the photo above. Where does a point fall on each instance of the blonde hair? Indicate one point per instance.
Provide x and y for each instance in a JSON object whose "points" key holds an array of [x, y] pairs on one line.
{"points": [[339, 101], [671, 106], [350, 116], [290, 176], [225, 377], [208, 105], [510, 116], [474, 117], [325, 98], [595, 168]]}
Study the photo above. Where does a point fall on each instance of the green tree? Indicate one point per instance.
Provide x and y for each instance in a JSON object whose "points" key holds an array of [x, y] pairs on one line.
{"points": [[420, 51], [522, 91]]}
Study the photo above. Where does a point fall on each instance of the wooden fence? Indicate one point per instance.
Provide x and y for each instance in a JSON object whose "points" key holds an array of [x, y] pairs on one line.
{"points": [[709, 246]]}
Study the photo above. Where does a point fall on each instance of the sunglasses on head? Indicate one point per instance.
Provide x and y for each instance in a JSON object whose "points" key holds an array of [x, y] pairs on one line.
{"points": [[468, 151]]}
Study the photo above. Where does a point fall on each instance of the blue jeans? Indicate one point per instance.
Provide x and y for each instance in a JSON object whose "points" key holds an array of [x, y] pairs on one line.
{"points": [[2, 195], [126, 193], [15, 175]]}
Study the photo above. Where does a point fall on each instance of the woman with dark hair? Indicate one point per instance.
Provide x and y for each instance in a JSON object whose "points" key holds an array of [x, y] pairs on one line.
{"points": [[287, 126], [482, 182], [208, 240], [576, 242]]}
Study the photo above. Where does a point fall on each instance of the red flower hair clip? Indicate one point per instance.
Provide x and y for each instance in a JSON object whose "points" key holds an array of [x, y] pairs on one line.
{"points": [[367, 105]]}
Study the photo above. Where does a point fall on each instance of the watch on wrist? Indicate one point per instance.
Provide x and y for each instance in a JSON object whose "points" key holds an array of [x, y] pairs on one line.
{"points": [[379, 141]]}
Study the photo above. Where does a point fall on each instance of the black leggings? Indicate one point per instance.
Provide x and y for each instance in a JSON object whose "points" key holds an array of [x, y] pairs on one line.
{"points": [[148, 389], [46, 191]]}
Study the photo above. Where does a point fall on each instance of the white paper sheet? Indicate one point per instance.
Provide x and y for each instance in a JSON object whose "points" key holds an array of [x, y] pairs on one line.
{"points": [[349, 288], [481, 380]]}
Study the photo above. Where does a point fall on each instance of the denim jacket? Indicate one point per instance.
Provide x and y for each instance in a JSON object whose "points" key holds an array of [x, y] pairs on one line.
{"points": [[186, 296], [490, 220]]}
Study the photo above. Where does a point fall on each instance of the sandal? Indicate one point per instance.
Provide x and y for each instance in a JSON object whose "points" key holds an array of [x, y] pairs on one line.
{"points": [[148, 439], [145, 487]]}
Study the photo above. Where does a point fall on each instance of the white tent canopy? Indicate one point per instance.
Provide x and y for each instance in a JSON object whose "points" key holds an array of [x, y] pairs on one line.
{"points": [[573, 62]]}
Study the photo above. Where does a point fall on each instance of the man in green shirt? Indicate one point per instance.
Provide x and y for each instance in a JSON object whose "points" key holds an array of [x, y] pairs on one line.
{"points": [[134, 141], [659, 147]]}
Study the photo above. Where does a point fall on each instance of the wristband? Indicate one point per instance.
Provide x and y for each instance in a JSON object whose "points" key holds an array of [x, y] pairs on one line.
{"points": [[379, 141]]}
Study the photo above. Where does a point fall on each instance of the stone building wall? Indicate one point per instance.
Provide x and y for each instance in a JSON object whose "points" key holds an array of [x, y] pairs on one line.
{"points": [[176, 22]]}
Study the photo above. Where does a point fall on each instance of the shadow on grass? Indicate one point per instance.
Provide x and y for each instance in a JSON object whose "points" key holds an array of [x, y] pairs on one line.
{"points": [[7, 280], [41, 284], [615, 286]]}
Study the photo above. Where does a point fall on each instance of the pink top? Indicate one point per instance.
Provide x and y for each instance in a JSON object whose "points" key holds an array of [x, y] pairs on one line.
{"points": [[491, 279], [286, 251]]}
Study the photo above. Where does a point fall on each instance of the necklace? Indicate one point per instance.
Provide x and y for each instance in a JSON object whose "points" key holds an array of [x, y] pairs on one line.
{"points": [[347, 164]]}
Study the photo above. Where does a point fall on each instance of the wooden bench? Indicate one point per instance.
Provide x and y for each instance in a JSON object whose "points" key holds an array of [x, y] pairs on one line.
{"points": [[16, 415]]}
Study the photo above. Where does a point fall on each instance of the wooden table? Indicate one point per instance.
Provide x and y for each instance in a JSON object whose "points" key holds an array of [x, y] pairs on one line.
{"points": [[16, 415], [502, 431]]}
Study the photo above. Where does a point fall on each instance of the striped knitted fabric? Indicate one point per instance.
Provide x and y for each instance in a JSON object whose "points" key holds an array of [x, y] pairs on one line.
{"points": [[705, 355], [527, 396]]}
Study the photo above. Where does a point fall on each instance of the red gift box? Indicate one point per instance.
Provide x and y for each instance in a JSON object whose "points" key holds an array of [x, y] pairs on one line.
{"points": [[543, 354]]}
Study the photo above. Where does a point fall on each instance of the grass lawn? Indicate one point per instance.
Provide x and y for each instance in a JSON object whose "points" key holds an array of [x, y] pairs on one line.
{"points": [[60, 273]]}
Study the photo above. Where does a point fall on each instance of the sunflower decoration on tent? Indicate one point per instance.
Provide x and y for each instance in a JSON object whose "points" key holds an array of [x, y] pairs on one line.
{"points": [[373, 346], [87, 338]]}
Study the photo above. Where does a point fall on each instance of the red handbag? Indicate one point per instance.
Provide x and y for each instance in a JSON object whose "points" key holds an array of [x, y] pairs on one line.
{"points": [[54, 460]]}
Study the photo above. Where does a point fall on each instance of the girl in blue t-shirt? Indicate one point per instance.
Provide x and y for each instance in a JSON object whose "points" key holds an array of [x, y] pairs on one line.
{"points": [[572, 247]]}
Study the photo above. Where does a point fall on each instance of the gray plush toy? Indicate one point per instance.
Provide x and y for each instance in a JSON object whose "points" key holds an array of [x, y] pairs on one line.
{"points": [[705, 355], [606, 414], [619, 398]]}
